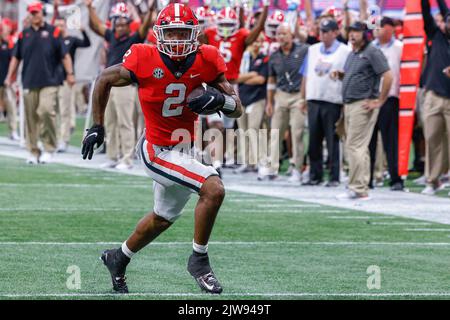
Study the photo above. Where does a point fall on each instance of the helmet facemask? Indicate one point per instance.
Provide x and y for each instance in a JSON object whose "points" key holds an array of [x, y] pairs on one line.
{"points": [[177, 41], [227, 28], [270, 29]]}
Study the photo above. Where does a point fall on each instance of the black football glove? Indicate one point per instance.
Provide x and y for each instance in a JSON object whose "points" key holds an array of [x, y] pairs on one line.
{"points": [[95, 135], [209, 102]]}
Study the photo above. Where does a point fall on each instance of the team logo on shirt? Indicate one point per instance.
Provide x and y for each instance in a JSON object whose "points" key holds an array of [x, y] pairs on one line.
{"points": [[44, 34], [158, 73]]}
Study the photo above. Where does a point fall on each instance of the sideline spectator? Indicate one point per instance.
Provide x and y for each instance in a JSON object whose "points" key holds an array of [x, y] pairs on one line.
{"points": [[324, 100], [252, 92], [284, 98], [363, 70], [119, 125], [387, 122], [436, 107], [41, 49], [6, 49], [66, 93]]}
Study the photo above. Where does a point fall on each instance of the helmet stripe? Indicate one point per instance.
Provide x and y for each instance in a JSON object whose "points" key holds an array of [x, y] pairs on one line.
{"points": [[177, 12]]}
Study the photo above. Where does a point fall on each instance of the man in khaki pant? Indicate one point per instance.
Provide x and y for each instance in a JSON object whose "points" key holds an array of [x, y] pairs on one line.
{"points": [[284, 99], [120, 126], [363, 70], [252, 91], [10, 107], [436, 107], [436, 113], [40, 47]]}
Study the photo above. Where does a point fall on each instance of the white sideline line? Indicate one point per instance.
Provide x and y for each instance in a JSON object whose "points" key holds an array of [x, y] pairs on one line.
{"points": [[262, 199], [360, 217], [74, 209], [282, 209], [232, 294], [401, 223], [427, 229], [269, 205], [240, 243], [75, 185]]}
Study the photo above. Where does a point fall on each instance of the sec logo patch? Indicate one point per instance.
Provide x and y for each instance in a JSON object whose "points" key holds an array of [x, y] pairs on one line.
{"points": [[158, 73]]}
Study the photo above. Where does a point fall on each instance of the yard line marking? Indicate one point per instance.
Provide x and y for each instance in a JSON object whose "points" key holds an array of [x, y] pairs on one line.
{"points": [[227, 243], [231, 294], [255, 200], [74, 209], [361, 217], [427, 229], [75, 185], [268, 205], [401, 223]]}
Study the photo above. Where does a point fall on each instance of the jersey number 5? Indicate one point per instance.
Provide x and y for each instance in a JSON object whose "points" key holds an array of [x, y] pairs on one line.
{"points": [[225, 51], [166, 110]]}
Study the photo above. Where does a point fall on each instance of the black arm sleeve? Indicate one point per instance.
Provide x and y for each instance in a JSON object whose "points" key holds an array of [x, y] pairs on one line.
{"points": [[442, 7], [83, 43], [428, 20]]}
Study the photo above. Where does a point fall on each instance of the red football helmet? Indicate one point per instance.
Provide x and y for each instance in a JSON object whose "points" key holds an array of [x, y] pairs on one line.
{"points": [[119, 10], [334, 12], [176, 31], [227, 22], [272, 23], [201, 14]]}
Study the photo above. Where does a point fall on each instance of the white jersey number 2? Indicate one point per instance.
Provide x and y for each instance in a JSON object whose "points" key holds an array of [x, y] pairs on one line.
{"points": [[166, 110]]}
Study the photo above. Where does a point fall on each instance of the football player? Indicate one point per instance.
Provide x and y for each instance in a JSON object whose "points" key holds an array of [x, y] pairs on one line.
{"points": [[166, 74], [270, 44]]}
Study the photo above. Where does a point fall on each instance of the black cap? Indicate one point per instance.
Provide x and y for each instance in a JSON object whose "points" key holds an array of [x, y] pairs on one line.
{"points": [[328, 25], [357, 26], [387, 20]]}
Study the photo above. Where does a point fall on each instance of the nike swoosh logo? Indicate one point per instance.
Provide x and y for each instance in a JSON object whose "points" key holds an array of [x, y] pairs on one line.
{"points": [[92, 134], [209, 287], [194, 75], [210, 100]]}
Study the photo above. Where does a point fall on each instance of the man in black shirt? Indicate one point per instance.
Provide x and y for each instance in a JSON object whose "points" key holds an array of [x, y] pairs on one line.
{"points": [[436, 107], [66, 94], [41, 49], [119, 125]]}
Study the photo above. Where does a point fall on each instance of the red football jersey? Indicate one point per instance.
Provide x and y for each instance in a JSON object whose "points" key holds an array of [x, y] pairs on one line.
{"points": [[231, 49], [151, 37], [163, 96], [269, 46]]}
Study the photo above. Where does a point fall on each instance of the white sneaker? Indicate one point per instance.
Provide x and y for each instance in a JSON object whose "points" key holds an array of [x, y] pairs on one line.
{"points": [[431, 190], [266, 173], [352, 195], [305, 175], [296, 176], [123, 166], [421, 181], [14, 136], [46, 157], [290, 169], [244, 169], [62, 147], [32, 159], [109, 164]]}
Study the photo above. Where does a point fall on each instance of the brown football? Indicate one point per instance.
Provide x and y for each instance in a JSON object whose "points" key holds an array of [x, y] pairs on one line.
{"points": [[198, 92]]}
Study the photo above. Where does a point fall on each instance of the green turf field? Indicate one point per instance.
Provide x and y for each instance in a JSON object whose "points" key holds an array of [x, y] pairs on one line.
{"points": [[55, 216]]}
